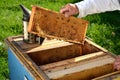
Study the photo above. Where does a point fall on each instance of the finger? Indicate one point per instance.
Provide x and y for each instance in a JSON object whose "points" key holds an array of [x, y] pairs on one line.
{"points": [[64, 10], [118, 68], [67, 14], [116, 65], [117, 60]]}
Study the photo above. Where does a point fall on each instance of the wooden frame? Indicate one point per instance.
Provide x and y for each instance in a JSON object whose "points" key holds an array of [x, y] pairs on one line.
{"points": [[50, 24], [89, 62], [111, 76]]}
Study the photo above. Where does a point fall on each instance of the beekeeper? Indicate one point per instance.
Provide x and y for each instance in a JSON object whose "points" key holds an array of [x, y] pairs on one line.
{"points": [[88, 7]]}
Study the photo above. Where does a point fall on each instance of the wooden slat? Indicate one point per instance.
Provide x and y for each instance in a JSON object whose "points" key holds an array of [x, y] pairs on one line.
{"points": [[109, 76], [50, 55], [88, 74], [70, 62], [48, 44], [83, 66], [46, 23]]}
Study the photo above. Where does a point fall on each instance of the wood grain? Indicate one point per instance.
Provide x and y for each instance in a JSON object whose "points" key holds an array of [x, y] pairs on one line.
{"points": [[70, 62], [85, 70]]}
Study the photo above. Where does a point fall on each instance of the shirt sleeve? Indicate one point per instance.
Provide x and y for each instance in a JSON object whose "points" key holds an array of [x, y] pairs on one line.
{"points": [[88, 7]]}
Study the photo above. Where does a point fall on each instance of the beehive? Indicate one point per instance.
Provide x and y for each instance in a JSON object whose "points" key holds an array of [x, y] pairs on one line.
{"points": [[60, 60]]}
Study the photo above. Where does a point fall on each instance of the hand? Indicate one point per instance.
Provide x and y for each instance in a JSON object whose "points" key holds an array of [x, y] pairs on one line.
{"points": [[117, 63], [69, 9]]}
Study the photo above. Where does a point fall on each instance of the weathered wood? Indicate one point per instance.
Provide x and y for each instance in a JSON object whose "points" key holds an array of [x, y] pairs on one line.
{"points": [[48, 44], [88, 69], [111, 76], [55, 54], [70, 62], [88, 74], [47, 23], [89, 48], [52, 51]]}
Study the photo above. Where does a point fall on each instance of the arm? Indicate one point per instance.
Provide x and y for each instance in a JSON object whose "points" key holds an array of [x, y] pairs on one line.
{"points": [[87, 7]]}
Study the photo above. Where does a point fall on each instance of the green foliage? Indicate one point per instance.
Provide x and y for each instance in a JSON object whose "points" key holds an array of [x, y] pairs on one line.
{"points": [[104, 30], [101, 34], [4, 69], [3, 63]]}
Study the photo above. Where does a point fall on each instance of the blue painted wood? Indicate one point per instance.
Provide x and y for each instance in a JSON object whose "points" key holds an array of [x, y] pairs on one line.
{"points": [[17, 70]]}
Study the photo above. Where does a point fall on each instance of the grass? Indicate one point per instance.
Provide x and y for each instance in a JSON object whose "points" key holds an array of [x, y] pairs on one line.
{"points": [[103, 28]]}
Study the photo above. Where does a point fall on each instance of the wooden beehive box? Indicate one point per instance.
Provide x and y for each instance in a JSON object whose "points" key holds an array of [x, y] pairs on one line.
{"points": [[59, 60], [50, 24], [110, 76]]}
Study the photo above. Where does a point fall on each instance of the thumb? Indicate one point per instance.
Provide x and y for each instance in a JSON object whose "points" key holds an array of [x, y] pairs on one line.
{"points": [[67, 14]]}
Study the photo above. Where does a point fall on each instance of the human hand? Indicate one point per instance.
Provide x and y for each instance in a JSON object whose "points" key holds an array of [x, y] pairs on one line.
{"points": [[117, 63], [69, 9]]}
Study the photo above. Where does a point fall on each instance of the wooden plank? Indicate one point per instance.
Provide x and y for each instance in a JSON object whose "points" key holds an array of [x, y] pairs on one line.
{"points": [[55, 54], [48, 44], [70, 62], [98, 47], [47, 23], [87, 74], [82, 66], [109, 76]]}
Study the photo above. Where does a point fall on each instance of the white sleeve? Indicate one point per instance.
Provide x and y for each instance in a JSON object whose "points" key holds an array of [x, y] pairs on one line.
{"points": [[87, 7]]}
